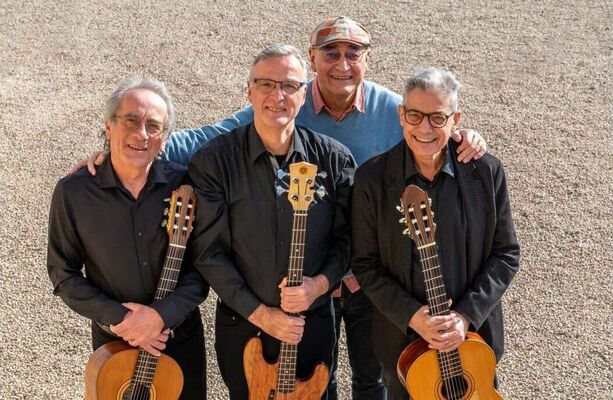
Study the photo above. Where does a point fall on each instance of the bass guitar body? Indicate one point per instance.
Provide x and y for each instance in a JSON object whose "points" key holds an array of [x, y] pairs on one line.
{"points": [[262, 378], [418, 370], [109, 372]]}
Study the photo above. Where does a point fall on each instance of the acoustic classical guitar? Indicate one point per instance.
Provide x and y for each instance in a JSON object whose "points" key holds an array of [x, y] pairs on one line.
{"points": [[466, 373], [278, 381], [118, 371]]}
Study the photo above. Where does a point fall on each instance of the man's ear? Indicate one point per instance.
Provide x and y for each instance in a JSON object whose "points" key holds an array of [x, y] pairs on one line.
{"points": [[249, 91], [312, 59], [400, 109], [457, 117], [107, 130]]}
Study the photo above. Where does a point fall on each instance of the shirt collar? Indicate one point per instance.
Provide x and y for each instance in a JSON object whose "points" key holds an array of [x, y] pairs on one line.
{"points": [[108, 179], [409, 164], [256, 147], [319, 104]]}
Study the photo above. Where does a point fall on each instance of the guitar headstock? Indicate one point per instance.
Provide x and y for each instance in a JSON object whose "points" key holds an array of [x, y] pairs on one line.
{"points": [[418, 216], [301, 185], [181, 212]]}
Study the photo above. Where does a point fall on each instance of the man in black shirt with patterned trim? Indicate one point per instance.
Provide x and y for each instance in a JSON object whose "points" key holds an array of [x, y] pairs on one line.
{"points": [[243, 231], [110, 224]]}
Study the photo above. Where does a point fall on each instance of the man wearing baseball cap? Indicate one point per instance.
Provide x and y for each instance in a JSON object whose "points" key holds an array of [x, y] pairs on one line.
{"points": [[360, 114]]}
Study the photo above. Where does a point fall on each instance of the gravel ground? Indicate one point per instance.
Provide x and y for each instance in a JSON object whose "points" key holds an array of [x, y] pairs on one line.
{"points": [[536, 81]]}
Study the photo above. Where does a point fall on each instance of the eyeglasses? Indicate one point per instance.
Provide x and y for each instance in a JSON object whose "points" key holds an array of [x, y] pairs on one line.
{"points": [[153, 127], [436, 119], [268, 85], [332, 55]]}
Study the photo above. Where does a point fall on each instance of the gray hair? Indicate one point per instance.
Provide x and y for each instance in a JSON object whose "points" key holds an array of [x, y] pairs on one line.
{"points": [[279, 50], [140, 82], [433, 79]]}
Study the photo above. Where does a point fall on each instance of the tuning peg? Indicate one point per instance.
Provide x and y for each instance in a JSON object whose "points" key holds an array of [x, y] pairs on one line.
{"points": [[400, 209], [167, 200], [402, 220], [281, 190], [405, 232], [164, 223], [323, 174], [429, 201], [321, 192], [166, 211]]}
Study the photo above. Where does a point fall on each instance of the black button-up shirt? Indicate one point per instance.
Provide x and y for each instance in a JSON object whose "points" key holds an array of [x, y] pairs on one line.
{"points": [[96, 223], [450, 234], [244, 219]]}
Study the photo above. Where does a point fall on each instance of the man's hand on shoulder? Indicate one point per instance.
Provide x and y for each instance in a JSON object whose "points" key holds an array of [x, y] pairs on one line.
{"points": [[472, 145], [297, 299], [278, 324], [91, 163], [141, 327]]}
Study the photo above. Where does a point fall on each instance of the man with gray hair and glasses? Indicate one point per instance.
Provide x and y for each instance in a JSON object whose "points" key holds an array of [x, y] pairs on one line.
{"points": [[478, 251], [106, 245], [244, 225]]}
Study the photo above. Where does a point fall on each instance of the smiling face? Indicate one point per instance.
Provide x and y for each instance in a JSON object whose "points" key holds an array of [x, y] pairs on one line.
{"points": [[338, 79], [425, 141], [132, 148], [276, 109]]}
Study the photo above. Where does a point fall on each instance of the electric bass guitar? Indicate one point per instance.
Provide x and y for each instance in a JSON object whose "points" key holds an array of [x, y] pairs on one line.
{"points": [[466, 373], [118, 371], [278, 381]]}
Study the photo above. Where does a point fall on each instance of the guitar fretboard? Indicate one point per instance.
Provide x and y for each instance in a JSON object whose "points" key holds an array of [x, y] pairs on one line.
{"points": [[436, 294], [286, 376], [146, 363]]}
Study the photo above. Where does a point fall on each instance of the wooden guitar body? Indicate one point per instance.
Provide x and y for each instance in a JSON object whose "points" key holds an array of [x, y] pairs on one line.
{"points": [[262, 377], [418, 370], [110, 369]]}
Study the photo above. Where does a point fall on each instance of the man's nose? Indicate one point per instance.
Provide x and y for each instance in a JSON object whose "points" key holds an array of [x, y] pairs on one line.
{"points": [[277, 92]]}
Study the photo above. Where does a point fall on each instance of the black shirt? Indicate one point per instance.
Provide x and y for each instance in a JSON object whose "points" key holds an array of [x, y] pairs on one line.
{"points": [[450, 231], [96, 223], [244, 219]]}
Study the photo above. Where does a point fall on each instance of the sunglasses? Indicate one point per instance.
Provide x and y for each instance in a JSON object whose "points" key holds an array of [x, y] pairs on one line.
{"points": [[332, 55]]}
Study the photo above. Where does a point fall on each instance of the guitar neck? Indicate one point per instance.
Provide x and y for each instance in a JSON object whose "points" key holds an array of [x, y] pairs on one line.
{"points": [[146, 363], [436, 294], [170, 271], [286, 377]]}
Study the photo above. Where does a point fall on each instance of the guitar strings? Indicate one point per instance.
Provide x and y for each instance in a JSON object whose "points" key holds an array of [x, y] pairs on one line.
{"points": [[146, 362], [286, 375], [435, 286]]}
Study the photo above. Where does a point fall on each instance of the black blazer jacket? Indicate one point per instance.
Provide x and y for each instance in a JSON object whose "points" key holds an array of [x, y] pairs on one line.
{"points": [[382, 256]]}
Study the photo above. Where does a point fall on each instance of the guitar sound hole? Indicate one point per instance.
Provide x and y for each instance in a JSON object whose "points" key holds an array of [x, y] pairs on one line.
{"points": [[454, 388], [136, 392]]}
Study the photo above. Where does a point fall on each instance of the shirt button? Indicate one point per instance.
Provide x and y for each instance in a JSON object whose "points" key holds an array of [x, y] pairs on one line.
{"points": [[145, 263], [139, 234], [281, 243], [280, 208]]}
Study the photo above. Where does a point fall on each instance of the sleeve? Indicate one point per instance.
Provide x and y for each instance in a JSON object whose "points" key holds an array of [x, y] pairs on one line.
{"points": [[212, 237], [499, 267], [375, 279], [65, 261], [191, 290], [336, 262], [183, 144]]}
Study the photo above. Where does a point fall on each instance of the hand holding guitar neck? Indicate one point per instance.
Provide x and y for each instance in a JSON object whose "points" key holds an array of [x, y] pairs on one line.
{"points": [[296, 299], [278, 324]]}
